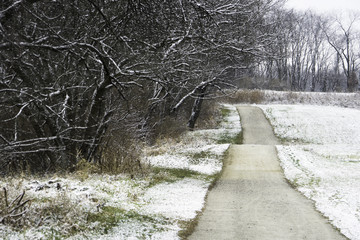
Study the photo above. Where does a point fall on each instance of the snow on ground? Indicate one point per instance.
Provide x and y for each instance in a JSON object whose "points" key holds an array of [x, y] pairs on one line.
{"points": [[145, 208], [201, 150], [351, 100], [203, 159], [321, 158], [315, 124], [182, 200]]}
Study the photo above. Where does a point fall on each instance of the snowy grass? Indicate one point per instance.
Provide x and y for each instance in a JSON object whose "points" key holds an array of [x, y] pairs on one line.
{"points": [[349, 100], [199, 150], [156, 206], [315, 124], [321, 158], [245, 96]]}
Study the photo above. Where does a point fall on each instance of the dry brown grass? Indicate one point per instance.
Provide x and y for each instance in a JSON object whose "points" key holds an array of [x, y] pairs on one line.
{"points": [[19, 212], [246, 96], [14, 212], [210, 115], [170, 127]]}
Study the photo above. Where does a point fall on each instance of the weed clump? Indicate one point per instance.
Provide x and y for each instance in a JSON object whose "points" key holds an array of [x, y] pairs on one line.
{"points": [[14, 212], [20, 213], [246, 96], [170, 175]]}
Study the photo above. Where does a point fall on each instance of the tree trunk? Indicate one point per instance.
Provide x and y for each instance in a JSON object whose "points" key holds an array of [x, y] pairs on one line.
{"points": [[195, 112], [352, 82]]}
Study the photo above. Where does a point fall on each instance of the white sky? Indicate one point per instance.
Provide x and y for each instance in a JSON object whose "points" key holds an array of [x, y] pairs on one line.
{"points": [[324, 6]]}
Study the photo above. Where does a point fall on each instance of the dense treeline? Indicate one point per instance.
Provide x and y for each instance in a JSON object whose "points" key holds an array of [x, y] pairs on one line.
{"points": [[78, 75], [81, 78], [313, 53]]}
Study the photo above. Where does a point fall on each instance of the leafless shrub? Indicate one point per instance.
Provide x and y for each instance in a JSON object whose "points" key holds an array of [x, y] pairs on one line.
{"points": [[292, 97], [210, 115], [124, 158], [60, 213], [247, 96], [13, 213], [169, 127]]}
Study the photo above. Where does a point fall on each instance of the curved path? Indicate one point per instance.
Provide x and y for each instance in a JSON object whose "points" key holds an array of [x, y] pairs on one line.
{"points": [[252, 199]]}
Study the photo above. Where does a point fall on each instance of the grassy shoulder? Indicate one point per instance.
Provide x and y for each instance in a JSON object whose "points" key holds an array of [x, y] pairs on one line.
{"points": [[188, 227], [89, 203]]}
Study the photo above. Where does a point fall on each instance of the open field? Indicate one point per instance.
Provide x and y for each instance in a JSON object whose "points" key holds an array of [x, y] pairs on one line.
{"points": [[320, 156]]}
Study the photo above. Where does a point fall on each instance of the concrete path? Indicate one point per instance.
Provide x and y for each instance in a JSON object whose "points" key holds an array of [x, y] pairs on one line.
{"points": [[252, 199]]}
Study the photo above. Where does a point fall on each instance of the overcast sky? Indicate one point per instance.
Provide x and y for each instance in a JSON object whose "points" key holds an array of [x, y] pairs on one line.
{"points": [[324, 6]]}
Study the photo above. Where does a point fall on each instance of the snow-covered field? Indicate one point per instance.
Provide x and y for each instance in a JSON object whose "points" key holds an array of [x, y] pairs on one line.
{"points": [[156, 206], [351, 100], [321, 158]]}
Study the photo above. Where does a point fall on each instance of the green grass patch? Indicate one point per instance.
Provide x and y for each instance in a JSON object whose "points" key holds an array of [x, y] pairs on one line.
{"points": [[196, 158], [170, 175], [109, 217], [179, 173], [53, 234], [228, 139], [225, 112]]}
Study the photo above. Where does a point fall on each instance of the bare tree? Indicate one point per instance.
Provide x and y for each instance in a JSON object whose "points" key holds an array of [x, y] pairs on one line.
{"points": [[342, 37], [302, 59], [69, 67], [74, 71]]}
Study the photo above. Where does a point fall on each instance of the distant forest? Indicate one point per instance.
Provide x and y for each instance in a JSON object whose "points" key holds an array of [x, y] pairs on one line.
{"points": [[82, 78]]}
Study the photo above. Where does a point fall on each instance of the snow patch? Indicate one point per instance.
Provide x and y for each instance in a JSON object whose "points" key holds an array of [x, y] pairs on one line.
{"points": [[323, 158], [164, 204], [183, 199]]}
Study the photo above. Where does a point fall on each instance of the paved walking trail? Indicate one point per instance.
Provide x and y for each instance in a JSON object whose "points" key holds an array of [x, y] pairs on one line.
{"points": [[252, 199]]}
